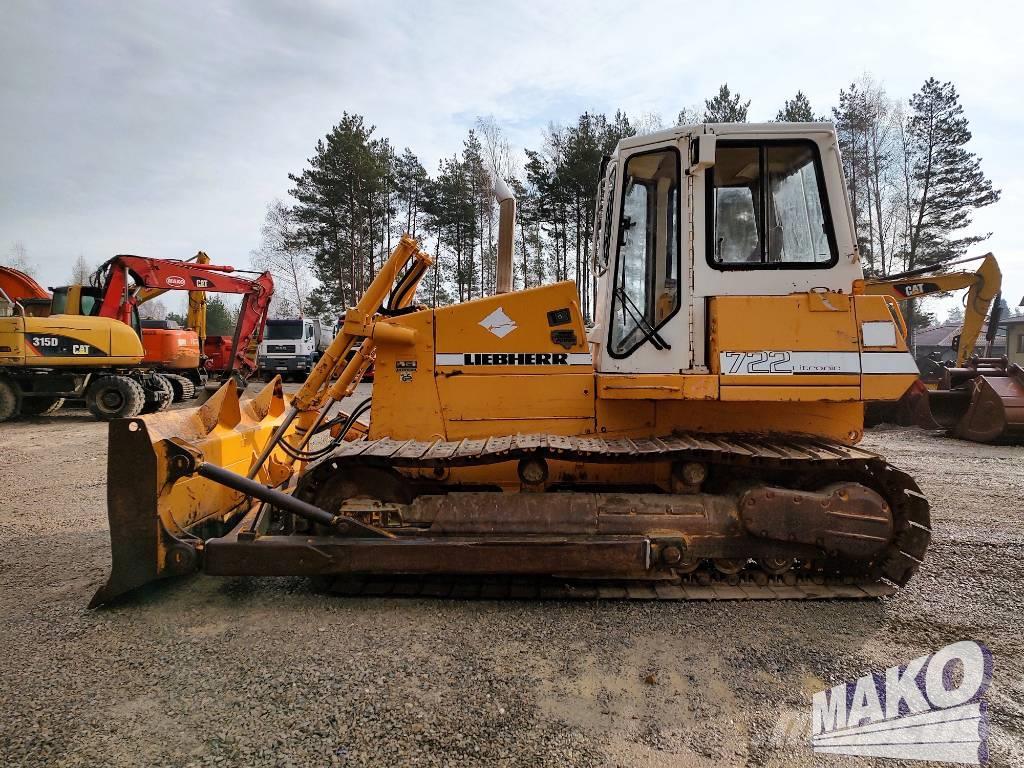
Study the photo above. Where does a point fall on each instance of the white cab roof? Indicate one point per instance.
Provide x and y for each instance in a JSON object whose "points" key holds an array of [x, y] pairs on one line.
{"points": [[735, 130]]}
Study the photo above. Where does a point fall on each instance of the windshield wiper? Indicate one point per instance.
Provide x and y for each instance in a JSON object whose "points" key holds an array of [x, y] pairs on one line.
{"points": [[637, 316]]}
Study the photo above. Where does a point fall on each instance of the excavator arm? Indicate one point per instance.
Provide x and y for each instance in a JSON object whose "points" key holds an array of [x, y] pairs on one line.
{"points": [[16, 285], [983, 286], [126, 278], [196, 319], [979, 399]]}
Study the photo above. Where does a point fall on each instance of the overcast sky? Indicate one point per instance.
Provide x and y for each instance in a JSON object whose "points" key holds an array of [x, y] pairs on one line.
{"points": [[163, 128]]}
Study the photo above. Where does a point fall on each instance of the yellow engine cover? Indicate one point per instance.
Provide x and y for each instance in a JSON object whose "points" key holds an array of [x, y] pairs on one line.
{"points": [[68, 340]]}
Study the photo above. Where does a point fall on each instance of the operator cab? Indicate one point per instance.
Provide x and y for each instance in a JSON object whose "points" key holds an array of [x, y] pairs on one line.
{"points": [[712, 210], [84, 300]]}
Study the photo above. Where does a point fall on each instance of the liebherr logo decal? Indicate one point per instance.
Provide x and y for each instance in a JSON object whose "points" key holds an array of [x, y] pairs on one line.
{"points": [[498, 323], [513, 358]]}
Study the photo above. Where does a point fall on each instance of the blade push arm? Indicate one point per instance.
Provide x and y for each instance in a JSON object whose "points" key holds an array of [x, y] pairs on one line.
{"points": [[363, 321]]}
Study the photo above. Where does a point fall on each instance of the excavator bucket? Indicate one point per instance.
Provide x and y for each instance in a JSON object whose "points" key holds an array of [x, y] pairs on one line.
{"points": [[996, 410], [158, 520], [913, 409], [983, 403]]}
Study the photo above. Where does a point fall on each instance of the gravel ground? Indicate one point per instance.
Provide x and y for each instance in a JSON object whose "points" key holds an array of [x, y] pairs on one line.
{"points": [[208, 671]]}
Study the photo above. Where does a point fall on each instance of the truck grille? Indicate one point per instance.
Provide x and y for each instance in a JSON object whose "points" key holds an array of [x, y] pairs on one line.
{"points": [[289, 348]]}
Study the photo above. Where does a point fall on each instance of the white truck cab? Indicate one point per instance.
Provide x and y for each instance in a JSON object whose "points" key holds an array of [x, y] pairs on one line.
{"points": [[291, 346]]}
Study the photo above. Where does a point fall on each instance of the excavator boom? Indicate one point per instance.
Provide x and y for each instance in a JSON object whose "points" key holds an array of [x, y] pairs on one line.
{"points": [[17, 285], [196, 314], [983, 287], [129, 280]]}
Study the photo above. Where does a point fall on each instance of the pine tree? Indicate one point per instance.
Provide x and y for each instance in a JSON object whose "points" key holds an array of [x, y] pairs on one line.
{"points": [[338, 209], [480, 267], [726, 107], [411, 180], [218, 317], [796, 110], [450, 212], [949, 184]]}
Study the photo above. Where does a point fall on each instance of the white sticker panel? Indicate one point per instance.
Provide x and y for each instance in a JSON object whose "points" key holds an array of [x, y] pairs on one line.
{"points": [[878, 334], [788, 363], [888, 362]]}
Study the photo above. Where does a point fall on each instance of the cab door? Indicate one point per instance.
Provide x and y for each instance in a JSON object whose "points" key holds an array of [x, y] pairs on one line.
{"points": [[643, 313]]}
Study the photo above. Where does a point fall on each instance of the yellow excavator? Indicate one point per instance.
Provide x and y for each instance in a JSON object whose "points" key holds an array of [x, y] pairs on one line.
{"points": [[48, 355], [698, 443], [978, 397]]}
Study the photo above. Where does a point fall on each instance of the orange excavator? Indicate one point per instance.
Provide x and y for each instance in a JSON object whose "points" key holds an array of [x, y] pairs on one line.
{"points": [[189, 356], [124, 282], [16, 286]]}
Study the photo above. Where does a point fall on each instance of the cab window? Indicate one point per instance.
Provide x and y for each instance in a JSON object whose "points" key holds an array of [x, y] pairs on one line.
{"points": [[59, 302], [767, 207], [645, 289]]}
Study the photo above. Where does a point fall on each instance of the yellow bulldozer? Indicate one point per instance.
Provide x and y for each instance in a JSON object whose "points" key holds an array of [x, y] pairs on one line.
{"points": [[699, 442]]}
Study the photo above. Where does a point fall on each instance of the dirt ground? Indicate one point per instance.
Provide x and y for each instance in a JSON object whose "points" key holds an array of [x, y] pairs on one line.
{"points": [[207, 671]]}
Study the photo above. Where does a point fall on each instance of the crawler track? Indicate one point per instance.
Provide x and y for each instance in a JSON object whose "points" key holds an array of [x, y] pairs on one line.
{"points": [[461, 588], [796, 460]]}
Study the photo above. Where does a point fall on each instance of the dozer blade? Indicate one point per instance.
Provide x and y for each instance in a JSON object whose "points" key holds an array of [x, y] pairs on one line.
{"points": [[156, 519]]}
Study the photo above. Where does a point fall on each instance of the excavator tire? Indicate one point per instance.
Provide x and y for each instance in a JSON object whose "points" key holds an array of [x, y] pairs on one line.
{"points": [[182, 387], [41, 406], [158, 404], [115, 397], [10, 399]]}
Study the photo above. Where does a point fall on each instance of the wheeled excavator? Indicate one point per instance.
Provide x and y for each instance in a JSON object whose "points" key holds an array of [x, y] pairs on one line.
{"points": [[699, 442], [90, 343], [978, 397], [47, 356]]}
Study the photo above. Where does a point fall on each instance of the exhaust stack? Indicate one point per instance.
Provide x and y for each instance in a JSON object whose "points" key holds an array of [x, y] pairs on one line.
{"points": [[506, 221]]}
